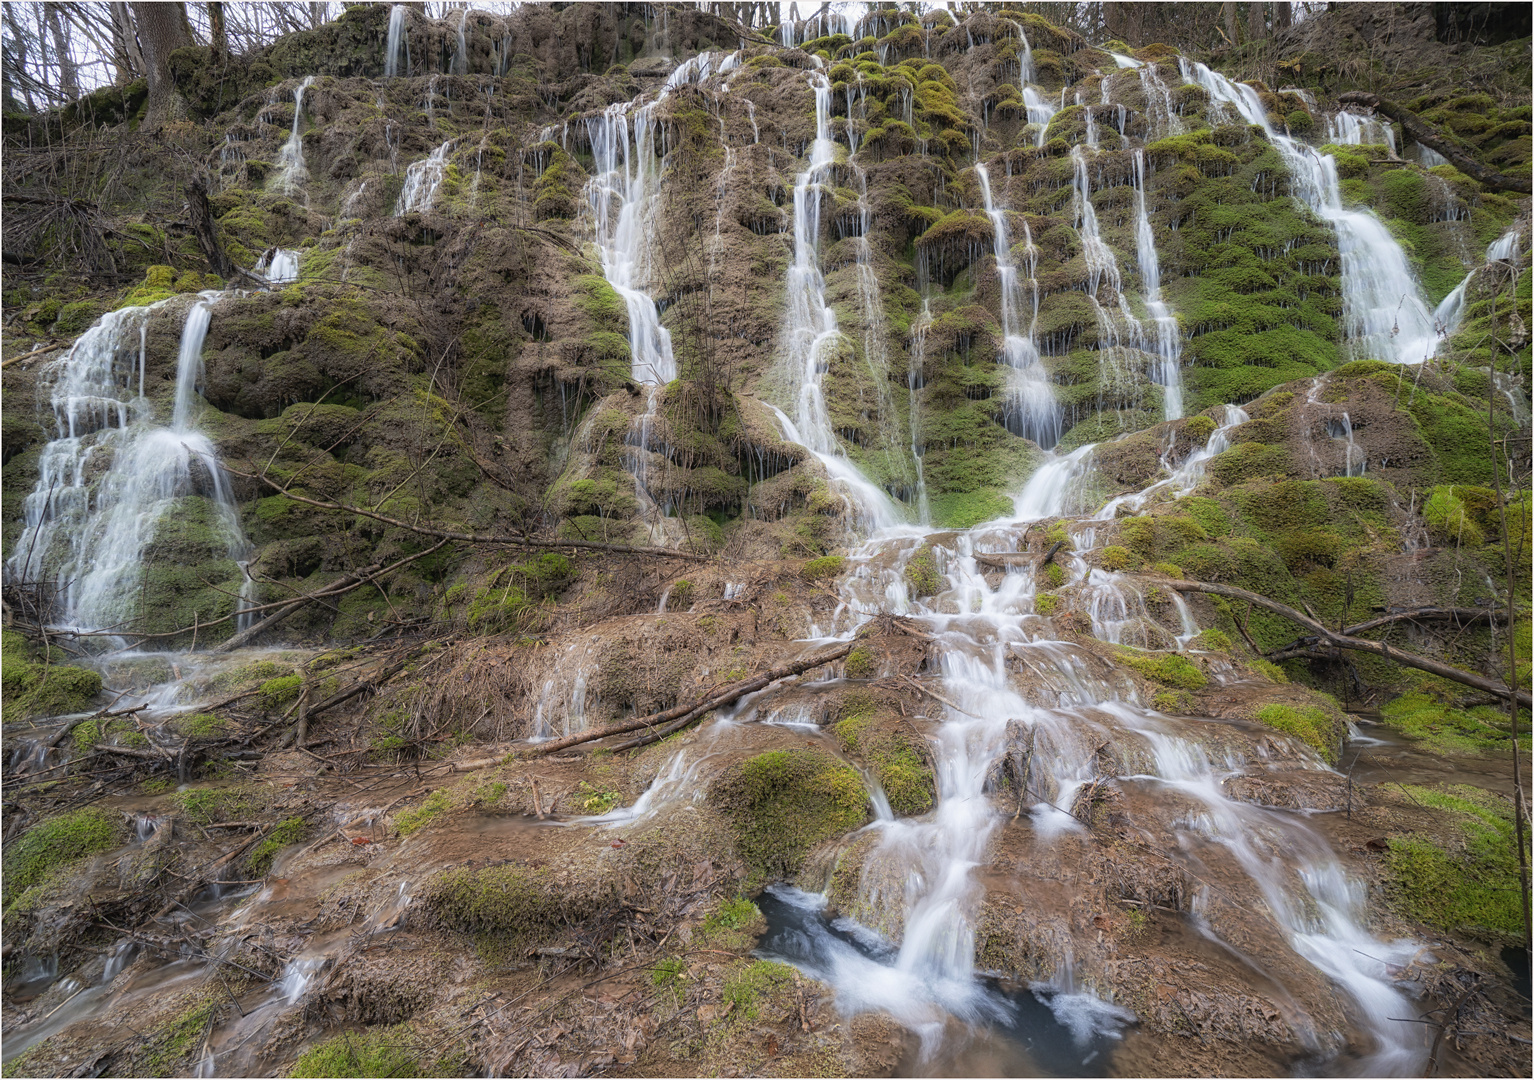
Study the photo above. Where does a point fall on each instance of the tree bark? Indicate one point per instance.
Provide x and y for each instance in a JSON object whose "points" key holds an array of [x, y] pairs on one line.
{"points": [[202, 225], [218, 33], [681, 715], [126, 56], [1344, 641], [1428, 136], [1283, 15], [1256, 24], [1228, 13], [69, 83], [162, 29]]}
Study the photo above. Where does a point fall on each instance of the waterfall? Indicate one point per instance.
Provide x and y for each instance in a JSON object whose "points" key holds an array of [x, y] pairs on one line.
{"points": [[1182, 478], [1160, 111], [461, 56], [1451, 309], [279, 265], [915, 381], [1347, 128], [1385, 313], [397, 48], [1168, 340], [290, 159], [1040, 110], [811, 332], [91, 534], [422, 178], [1032, 410], [1103, 268]]}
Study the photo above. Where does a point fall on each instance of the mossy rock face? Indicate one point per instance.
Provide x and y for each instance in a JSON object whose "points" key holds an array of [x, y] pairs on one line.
{"points": [[784, 802], [34, 689], [1469, 885], [895, 757], [1320, 729], [53, 844]]}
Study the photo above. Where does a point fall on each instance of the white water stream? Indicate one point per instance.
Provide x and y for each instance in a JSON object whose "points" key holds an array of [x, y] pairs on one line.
{"points": [[290, 159], [422, 179], [1386, 316], [89, 530]]}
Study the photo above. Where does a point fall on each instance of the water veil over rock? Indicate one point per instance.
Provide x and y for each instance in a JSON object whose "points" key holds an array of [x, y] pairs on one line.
{"points": [[736, 539]]}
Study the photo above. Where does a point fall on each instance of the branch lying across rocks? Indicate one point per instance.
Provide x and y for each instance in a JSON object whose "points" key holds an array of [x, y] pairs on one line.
{"points": [[1460, 617], [1346, 641], [1428, 136], [674, 719], [468, 538]]}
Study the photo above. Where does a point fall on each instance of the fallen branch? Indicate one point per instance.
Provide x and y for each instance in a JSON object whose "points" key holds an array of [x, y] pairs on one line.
{"points": [[681, 715], [1430, 137], [467, 538], [39, 351], [1355, 644]]}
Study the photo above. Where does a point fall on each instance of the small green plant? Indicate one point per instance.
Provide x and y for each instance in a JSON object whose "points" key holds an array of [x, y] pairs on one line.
{"points": [[1166, 668], [747, 987], [594, 800], [204, 806], [202, 725], [922, 578], [275, 693], [1045, 603], [1054, 575], [1174, 701], [669, 974]]}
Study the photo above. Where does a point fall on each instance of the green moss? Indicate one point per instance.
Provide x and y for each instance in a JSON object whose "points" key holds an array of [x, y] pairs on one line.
{"points": [[1472, 888], [595, 800], [783, 802], [1448, 522], [747, 988], [1045, 603], [55, 843], [1209, 514], [201, 725], [275, 693], [1054, 575], [1174, 701], [1429, 715], [966, 509], [1217, 640], [1114, 557], [1270, 671], [377, 1052], [1313, 726], [288, 831], [823, 568], [170, 1049], [860, 664], [418, 817], [922, 578], [204, 806], [1166, 668], [33, 689]]}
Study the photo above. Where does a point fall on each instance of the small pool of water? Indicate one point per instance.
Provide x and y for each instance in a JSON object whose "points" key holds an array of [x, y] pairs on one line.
{"points": [[974, 1027]]}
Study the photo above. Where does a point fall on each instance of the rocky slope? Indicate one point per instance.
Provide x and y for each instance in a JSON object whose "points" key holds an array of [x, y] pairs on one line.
{"points": [[505, 374]]}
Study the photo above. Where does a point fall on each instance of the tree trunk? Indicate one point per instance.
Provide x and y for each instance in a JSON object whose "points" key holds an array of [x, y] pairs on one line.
{"points": [[1228, 13], [1425, 134], [1283, 15], [218, 33], [16, 60], [202, 226], [162, 29], [69, 83], [126, 56], [1256, 25]]}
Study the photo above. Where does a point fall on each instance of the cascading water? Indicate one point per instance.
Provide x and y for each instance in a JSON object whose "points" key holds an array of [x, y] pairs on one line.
{"points": [[1040, 109], [1451, 310], [422, 179], [915, 381], [1167, 342], [91, 531], [812, 331], [1347, 128], [1385, 314], [397, 46], [290, 159], [1032, 410], [1118, 328]]}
